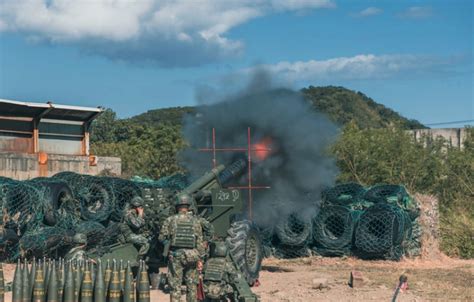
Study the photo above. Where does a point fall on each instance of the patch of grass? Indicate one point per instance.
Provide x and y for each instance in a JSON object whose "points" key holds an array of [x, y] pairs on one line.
{"points": [[457, 229]]}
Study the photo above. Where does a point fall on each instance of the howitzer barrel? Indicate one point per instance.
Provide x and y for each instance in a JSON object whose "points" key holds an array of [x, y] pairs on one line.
{"points": [[217, 176], [232, 170], [204, 180]]}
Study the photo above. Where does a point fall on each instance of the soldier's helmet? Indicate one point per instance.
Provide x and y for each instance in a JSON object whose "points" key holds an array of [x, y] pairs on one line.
{"points": [[183, 200], [79, 238], [220, 249], [136, 202]]}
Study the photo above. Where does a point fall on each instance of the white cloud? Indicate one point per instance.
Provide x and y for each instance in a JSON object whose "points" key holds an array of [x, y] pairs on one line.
{"points": [[417, 12], [359, 67], [167, 32], [369, 11]]}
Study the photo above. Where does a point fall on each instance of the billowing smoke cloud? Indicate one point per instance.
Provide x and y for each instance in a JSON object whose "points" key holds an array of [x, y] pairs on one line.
{"points": [[298, 165]]}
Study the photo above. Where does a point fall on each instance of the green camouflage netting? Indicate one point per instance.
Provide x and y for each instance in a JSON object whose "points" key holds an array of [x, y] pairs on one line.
{"points": [[40, 216]]}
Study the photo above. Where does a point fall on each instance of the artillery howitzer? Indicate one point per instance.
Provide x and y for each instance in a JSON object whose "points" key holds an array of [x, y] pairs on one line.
{"points": [[223, 208]]}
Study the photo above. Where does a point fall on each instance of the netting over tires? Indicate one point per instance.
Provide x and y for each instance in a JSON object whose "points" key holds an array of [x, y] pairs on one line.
{"points": [[333, 230], [375, 223], [381, 232], [40, 216], [293, 230]]}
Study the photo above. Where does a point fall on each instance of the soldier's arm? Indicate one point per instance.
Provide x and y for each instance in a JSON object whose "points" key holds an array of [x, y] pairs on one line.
{"points": [[207, 229], [134, 220], [200, 245], [165, 230]]}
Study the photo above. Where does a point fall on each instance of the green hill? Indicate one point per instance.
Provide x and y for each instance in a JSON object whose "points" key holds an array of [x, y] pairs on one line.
{"points": [[343, 105], [340, 104]]}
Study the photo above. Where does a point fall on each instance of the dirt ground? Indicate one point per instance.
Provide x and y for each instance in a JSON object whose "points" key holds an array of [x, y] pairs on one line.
{"points": [[291, 280]]}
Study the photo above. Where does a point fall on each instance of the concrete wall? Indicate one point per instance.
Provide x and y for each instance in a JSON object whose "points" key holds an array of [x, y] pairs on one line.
{"points": [[454, 136], [25, 166]]}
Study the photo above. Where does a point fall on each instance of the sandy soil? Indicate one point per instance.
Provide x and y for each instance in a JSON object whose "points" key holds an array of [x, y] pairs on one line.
{"points": [[291, 280]]}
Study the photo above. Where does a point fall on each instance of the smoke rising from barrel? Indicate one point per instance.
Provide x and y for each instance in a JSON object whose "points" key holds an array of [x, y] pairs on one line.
{"points": [[298, 166]]}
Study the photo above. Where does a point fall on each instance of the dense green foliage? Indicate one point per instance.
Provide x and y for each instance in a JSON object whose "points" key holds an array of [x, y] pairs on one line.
{"points": [[145, 150], [373, 148]]}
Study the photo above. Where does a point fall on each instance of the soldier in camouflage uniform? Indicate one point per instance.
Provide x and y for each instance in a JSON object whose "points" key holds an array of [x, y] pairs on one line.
{"points": [[184, 234], [219, 274], [78, 252], [133, 225]]}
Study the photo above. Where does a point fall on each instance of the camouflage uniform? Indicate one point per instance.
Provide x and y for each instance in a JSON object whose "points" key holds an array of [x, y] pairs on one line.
{"points": [[77, 253], [132, 227], [185, 234], [219, 274]]}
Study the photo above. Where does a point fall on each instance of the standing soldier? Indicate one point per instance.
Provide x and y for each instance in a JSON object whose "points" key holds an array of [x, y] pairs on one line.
{"points": [[133, 225], [183, 234]]}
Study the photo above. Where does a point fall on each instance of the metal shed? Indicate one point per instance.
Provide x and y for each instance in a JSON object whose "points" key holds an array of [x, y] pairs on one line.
{"points": [[41, 139], [45, 127]]}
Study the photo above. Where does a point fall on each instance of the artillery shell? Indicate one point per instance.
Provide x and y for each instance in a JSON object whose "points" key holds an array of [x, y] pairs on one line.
{"points": [[143, 286], [99, 288], [17, 284], [69, 284], [2, 284], [32, 275], [115, 292], [25, 279], [87, 287], [128, 292], [39, 291], [53, 284]]}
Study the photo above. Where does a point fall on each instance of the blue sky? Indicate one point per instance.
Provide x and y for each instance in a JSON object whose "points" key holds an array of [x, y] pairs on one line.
{"points": [[415, 57]]}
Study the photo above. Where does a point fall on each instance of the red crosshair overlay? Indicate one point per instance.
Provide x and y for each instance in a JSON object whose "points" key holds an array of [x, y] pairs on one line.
{"points": [[249, 149]]}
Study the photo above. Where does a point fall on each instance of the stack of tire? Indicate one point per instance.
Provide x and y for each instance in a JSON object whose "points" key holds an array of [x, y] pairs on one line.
{"points": [[371, 223], [27, 208]]}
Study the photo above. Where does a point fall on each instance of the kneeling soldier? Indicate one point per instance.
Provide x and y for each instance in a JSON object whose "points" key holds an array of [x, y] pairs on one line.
{"points": [[133, 225], [219, 274]]}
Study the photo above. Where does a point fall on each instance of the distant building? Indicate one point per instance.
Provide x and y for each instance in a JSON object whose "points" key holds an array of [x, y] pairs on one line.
{"points": [[41, 139], [454, 137]]}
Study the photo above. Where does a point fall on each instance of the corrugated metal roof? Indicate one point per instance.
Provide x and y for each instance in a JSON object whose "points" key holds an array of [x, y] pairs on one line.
{"points": [[55, 111]]}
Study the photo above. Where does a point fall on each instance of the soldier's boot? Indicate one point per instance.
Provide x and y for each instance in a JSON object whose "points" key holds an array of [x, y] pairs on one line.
{"points": [[175, 295]]}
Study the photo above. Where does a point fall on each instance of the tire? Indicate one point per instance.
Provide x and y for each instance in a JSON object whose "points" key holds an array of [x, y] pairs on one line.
{"points": [[245, 248], [54, 192], [96, 202], [381, 193], [343, 194], [293, 231], [333, 230]]}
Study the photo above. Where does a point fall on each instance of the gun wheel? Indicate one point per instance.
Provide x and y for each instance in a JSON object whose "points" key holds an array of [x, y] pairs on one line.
{"points": [[245, 248]]}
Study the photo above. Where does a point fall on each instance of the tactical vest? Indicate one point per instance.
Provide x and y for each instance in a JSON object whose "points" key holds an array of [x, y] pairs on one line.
{"points": [[215, 269], [183, 236]]}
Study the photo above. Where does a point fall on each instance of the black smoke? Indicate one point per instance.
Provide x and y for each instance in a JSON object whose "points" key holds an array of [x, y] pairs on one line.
{"points": [[298, 166]]}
